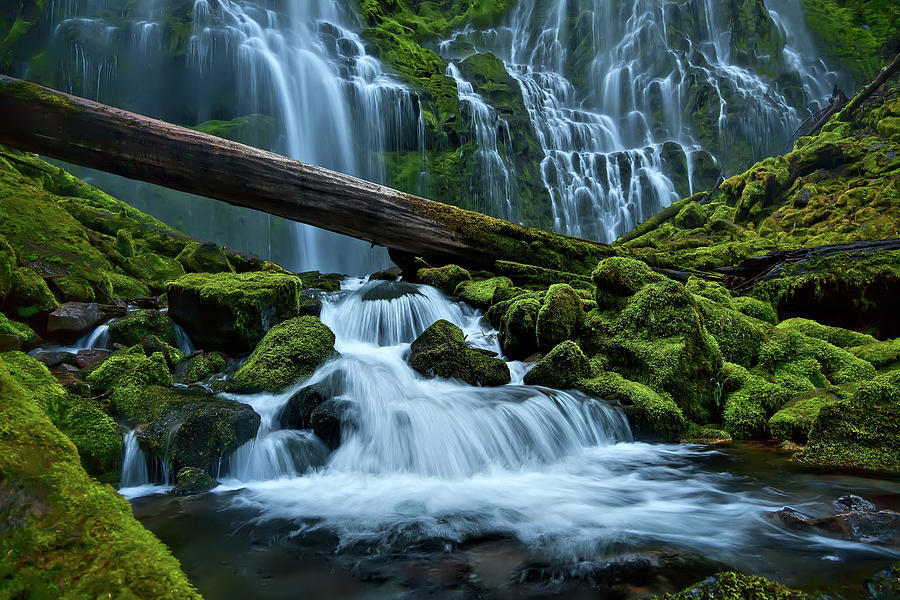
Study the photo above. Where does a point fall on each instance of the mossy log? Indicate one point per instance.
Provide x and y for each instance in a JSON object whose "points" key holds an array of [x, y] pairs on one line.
{"points": [[751, 271], [95, 135]]}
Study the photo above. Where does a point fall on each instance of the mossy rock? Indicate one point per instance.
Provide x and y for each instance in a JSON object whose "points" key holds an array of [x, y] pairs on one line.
{"points": [[130, 368], [290, 351], [7, 265], [192, 480], [441, 351], [710, 290], [518, 328], [298, 410], [125, 286], [705, 434], [83, 541], [199, 367], [795, 419], [144, 404], [749, 401], [25, 336], [29, 294], [653, 416], [153, 269], [200, 257], [843, 338], [620, 276], [445, 278], [879, 354], [737, 586], [758, 309], [560, 368], [861, 433], [140, 324], [739, 336], [232, 310], [692, 216], [480, 294], [200, 432], [560, 316], [787, 346], [93, 432]]}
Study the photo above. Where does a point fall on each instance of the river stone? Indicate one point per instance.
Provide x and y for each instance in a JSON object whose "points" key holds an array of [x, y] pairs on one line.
{"points": [[192, 480], [332, 419], [390, 290], [199, 432], [85, 359], [878, 527], [297, 412], [853, 502], [75, 317], [391, 274], [52, 358], [441, 351], [560, 368]]}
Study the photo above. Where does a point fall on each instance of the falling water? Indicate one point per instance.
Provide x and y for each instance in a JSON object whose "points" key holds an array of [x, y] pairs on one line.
{"points": [[98, 338], [134, 463]]}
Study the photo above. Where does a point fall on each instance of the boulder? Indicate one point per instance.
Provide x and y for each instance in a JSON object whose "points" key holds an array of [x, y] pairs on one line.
{"points": [[75, 317], [445, 278], [140, 324], [441, 351], [332, 419], [198, 367], [560, 368], [289, 352], [232, 311], [518, 328], [480, 294], [297, 412], [390, 274], [192, 480], [198, 257], [199, 432], [560, 316], [87, 359]]}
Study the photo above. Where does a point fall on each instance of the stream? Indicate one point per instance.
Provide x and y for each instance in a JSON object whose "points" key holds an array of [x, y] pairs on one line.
{"points": [[442, 488]]}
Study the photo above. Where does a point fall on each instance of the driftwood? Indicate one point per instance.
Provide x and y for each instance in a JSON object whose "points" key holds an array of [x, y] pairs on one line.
{"points": [[80, 131], [751, 271], [867, 91]]}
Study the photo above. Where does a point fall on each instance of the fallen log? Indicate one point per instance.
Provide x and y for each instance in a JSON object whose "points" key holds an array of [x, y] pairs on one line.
{"points": [[95, 135]]}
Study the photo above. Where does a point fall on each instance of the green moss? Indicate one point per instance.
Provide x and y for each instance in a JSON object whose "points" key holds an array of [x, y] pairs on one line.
{"points": [[125, 243], [30, 294], [833, 335], [619, 276], [757, 309], [710, 290], [289, 352], [441, 351], [480, 294], [69, 536], [124, 286], [130, 368], [560, 368], [794, 421], [653, 416], [705, 434], [26, 335], [204, 258], [691, 216], [736, 586], [739, 337], [445, 278], [141, 324], [7, 264], [879, 354], [518, 328], [787, 344], [153, 269], [35, 94], [233, 309], [201, 366], [145, 404], [861, 433], [560, 316]]}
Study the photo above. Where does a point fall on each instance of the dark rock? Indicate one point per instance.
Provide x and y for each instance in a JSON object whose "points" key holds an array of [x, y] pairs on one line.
{"points": [[881, 527], [791, 518], [518, 328], [297, 412], [86, 359], [331, 419], [52, 358], [390, 290], [309, 304], [192, 480], [802, 199], [441, 350], [387, 275], [140, 324], [9, 341], [67, 375], [199, 432], [329, 282], [853, 502], [75, 317]]}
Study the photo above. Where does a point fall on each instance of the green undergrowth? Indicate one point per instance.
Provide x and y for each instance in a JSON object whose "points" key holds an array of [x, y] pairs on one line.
{"points": [[69, 536]]}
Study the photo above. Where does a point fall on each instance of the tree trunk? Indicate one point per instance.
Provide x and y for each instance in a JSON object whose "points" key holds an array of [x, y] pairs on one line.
{"points": [[91, 134]]}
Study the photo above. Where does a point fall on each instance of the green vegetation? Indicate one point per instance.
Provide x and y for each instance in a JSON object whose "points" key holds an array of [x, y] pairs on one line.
{"points": [[139, 325], [560, 368], [441, 351], [736, 586], [289, 352]]}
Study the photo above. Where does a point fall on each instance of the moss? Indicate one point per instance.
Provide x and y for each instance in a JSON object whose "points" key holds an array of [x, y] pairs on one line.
{"points": [[145, 404], [153, 269], [691, 216], [125, 243], [69, 536], [861, 433], [255, 129], [705, 434], [518, 328], [560, 316], [441, 351], [795, 419], [787, 344], [653, 416], [201, 366], [748, 401], [124, 286], [140, 324], [233, 310], [130, 368], [7, 265], [757, 309], [191, 480], [151, 344], [480, 294], [29, 294], [23, 90], [620, 276], [445, 278], [879, 354], [833, 335], [710, 290], [27, 337], [289, 352], [739, 337], [560, 368], [736, 586], [204, 258]]}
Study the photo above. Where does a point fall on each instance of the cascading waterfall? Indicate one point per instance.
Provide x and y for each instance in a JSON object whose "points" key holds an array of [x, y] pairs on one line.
{"points": [[610, 95], [134, 463]]}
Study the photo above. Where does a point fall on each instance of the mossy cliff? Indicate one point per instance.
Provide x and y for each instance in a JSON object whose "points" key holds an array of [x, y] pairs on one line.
{"points": [[68, 535]]}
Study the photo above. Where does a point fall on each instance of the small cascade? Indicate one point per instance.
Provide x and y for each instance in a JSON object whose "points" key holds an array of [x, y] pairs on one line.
{"points": [[134, 463], [97, 339], [182, 340]]}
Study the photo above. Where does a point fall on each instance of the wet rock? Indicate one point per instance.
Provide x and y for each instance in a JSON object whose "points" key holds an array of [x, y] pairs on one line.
{"points": [[198, 257], [75, 317], [441, 351], [390, 290], [52, 358], [444, 278], [309, 304], [297, 412], [199, 432], [560, 368], [330, 420], [67, 375], [870, 527], [791, 518], [853, 502], [329, 282], [87, 359], [9, 341], [139, 325], [390, 274], [198, 367], [518, 328], [192, 480]]}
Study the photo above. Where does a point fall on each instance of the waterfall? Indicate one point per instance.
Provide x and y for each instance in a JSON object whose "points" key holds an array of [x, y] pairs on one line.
{"points": [[134, 463], [98, 338], [182, 340]]}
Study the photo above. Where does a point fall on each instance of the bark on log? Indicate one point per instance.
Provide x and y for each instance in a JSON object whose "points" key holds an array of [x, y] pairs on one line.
{"points": [[867, 91], [80, 131]]}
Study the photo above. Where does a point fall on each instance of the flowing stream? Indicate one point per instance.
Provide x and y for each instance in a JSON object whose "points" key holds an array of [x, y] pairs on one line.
{"points": [[425, 461]]}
